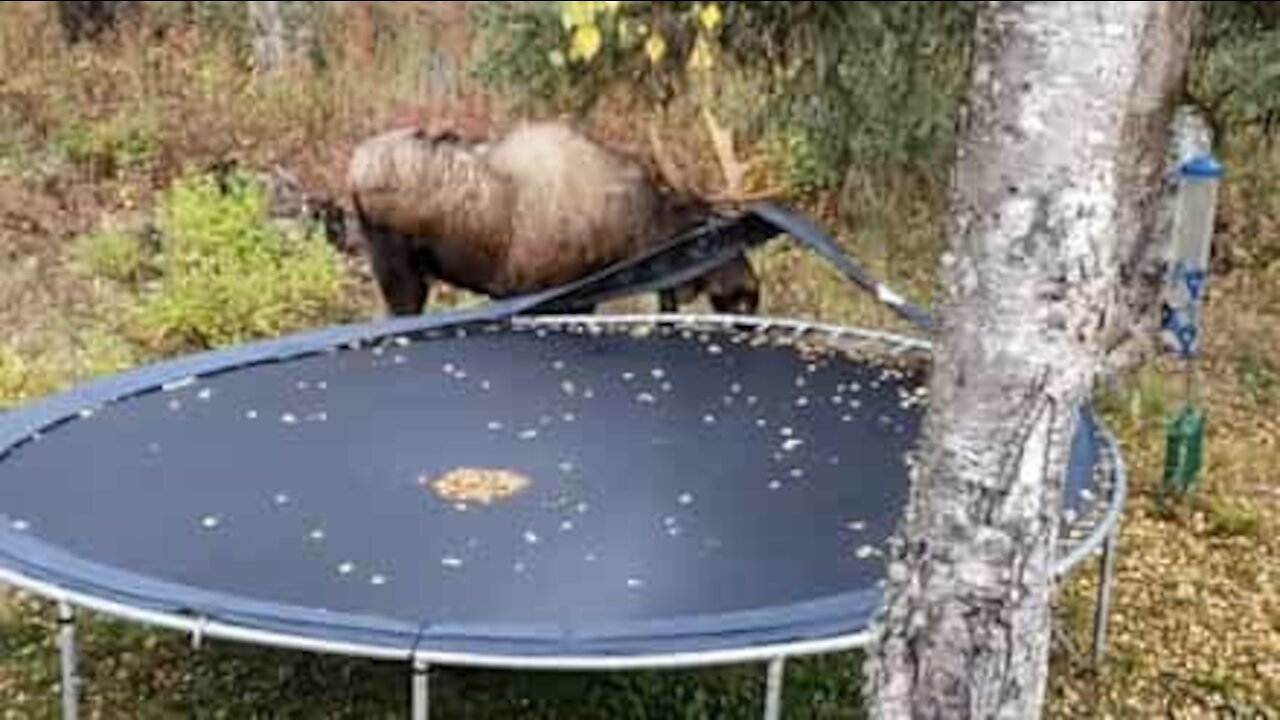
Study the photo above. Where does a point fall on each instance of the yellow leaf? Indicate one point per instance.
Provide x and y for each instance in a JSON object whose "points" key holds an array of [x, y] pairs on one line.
{"points": [[710, 16], [655, 47], [574, 13], [585, 43], [701, 59]]}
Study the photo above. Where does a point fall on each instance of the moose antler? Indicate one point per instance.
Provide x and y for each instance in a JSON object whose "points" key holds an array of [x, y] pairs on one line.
{"points": [[667, 168], [733, 170], [722, 142]]}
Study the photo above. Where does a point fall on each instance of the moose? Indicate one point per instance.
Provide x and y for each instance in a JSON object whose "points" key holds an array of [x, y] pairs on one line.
{"points": [[541, 206]]}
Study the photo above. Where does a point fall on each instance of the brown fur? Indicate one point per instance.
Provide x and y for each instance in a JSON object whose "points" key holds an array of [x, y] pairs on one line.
{"points": [[540, 207]]}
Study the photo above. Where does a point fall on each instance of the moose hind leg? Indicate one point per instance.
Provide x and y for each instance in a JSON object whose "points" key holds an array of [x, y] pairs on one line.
{"points": [[667, 302], [734, 288], [397, 272]]}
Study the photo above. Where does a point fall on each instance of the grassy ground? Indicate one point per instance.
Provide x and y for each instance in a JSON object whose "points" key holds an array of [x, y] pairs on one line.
{"points": [[93, 140], [1196, 623]]}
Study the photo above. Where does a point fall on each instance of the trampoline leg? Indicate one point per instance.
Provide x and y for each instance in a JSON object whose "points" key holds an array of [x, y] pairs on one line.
{"points": [[773, 689], [421, 692], [1102, 609], [67, 658]]}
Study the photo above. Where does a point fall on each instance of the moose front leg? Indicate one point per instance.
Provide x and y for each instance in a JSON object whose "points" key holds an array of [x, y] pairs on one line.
{"points": [[398, 273]]}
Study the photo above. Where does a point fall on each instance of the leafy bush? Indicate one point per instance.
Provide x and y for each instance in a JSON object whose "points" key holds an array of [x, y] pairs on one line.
{"points": [[1242, 79], [101, 352], [108, 147], [1234, 518], [1235, 75], [1258, 375], [515, 44], [111, 253], [793, 157], [13, 375], [873, 88], [20, 379], [857, 86], [220, 20], [228, 275], [1236, 72]]}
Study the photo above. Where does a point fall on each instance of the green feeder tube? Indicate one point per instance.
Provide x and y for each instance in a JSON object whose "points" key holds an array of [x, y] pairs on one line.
{"points": [[1184, 450]]}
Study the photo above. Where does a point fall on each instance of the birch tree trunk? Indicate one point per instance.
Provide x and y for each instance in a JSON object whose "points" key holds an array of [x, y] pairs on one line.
{"points": [[282, 31], [1050, 199], [1157, 138], [267, 25]]}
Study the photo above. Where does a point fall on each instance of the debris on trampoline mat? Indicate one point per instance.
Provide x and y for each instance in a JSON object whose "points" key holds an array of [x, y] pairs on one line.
{"points": [[482, 485]]}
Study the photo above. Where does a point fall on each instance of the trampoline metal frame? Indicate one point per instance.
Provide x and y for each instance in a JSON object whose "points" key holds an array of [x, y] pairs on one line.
{"points": [[1101, 539]]}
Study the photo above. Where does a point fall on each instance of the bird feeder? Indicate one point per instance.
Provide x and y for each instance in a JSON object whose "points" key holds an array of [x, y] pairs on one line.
{"points": [[1185, 286]]}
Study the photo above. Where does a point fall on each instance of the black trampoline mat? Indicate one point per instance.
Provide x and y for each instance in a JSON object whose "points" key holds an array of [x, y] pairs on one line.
{"points": [[674, 476]]}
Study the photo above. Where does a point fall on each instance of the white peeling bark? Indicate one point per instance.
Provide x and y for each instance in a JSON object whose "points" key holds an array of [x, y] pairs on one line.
{"points": [[267, 23], [282, 32], [1041, 203]]}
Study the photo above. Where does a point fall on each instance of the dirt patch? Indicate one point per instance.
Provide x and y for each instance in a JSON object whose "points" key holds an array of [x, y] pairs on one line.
{"points": [[30, 222], [37, 293]]}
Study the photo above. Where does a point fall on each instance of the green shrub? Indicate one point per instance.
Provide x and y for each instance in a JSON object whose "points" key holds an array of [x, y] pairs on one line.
{"points": [[37, 369], [101, 352], [220, 21], [1259, 377], [1233, 518], [1236, 68], [1143, 400], [13, 372], [20, 379], [76, 142], [872, 86], [111, 253], [514, 50], [122, 142], [794, 156], [228, 275]]}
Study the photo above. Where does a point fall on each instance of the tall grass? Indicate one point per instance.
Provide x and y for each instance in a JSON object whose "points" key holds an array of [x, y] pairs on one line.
{"points": [[164, 96]]}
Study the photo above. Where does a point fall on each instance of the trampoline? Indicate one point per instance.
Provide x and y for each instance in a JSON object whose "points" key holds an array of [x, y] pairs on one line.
{"points": [[679, 491]]}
